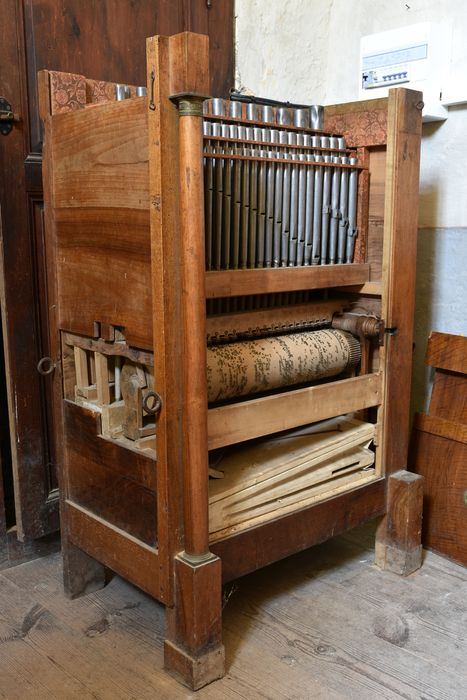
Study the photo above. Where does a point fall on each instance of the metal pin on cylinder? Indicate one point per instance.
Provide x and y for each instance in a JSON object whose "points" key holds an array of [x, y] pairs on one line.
{"points": [[141, 91]]}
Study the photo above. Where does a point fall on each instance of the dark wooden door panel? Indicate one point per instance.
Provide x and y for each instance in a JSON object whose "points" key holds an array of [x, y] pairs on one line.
{"points": [[105, 40]]}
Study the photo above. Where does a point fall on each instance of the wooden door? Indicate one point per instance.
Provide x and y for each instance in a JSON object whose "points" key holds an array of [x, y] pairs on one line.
{"points": [[105, 40]]}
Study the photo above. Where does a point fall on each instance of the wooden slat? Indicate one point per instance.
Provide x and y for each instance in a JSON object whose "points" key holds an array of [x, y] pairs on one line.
{"points": [[231, 283], [235, 423], [252, 549], [102, 378], [447, 352], [81, 367], [122, 553], [441, 427]]}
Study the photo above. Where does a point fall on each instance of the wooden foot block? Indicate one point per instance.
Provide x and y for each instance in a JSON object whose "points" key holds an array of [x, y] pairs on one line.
{"points": [[194, 671], [81, 573], [193, 651], [398, 539]]}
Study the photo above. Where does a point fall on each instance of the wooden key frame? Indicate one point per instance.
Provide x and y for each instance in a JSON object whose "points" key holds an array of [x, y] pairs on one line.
{"points": [[125, 236]]}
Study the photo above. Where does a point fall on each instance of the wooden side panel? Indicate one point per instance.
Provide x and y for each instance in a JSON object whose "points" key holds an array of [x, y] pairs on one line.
{"points": [[108, 480], [449, 396], [101, 209], [442, 460]]}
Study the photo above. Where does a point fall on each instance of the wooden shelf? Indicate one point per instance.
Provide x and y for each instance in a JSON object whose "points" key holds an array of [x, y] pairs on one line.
{"points": [[232, 283], [228, 425]]}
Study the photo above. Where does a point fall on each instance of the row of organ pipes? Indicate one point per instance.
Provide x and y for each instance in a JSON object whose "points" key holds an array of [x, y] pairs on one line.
{"points": [[276, 196], [279, 192]]}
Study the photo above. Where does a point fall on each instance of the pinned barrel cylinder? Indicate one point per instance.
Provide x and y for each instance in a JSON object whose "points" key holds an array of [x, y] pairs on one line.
{"points": [[251, 367]]}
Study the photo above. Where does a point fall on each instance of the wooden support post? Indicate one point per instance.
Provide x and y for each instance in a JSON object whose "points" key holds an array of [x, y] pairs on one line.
{"points": [[193, 650], [398, 539], [193, 270], [178, 74], [81, 573]]}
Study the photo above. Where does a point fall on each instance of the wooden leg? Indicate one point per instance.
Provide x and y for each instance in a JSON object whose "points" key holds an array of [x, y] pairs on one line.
{"points": [[193, 650], [398, 538], [81, 573]]}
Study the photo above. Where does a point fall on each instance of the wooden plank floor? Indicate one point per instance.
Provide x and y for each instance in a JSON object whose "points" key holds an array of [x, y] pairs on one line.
{"points": [[323, 624]]}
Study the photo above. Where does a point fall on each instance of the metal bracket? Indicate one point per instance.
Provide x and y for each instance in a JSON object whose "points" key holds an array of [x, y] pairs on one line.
{"points": [[7, 117]]}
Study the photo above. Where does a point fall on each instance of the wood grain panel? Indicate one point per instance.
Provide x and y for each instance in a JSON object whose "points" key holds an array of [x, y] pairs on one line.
{"points": [[228, 425], [260, 546], [101, 156], [399, 256], [229, 283], [377, 159], [448, 352], [115, 548], [443, 463], [113, 483], [103, 269]]}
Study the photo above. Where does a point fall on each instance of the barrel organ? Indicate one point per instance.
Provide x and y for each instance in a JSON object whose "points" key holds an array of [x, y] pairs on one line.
{"points": [[231, 289]]}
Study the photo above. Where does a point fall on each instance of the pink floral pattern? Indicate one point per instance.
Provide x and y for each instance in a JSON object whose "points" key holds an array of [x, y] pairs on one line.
{"points": [[98, 91], [360, 128], [67, 92]]}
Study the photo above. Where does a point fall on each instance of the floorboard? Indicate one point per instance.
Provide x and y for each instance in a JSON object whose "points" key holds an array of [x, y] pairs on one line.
{"points": [[325, 624]]}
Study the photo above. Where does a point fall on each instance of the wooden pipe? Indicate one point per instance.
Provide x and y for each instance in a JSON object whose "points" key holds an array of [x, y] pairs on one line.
{"points": [[193, 271]]}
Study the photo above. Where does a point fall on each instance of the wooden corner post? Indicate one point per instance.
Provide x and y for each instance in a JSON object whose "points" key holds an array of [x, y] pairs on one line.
{"points": [[178, 82], [398, 538]]}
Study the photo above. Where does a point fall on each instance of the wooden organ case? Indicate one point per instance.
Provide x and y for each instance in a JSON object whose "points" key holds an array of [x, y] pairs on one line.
{"points": [[133, 309]]}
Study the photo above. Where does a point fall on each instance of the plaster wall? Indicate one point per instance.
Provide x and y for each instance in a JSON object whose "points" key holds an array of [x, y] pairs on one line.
{"points": [[308, 51]]}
